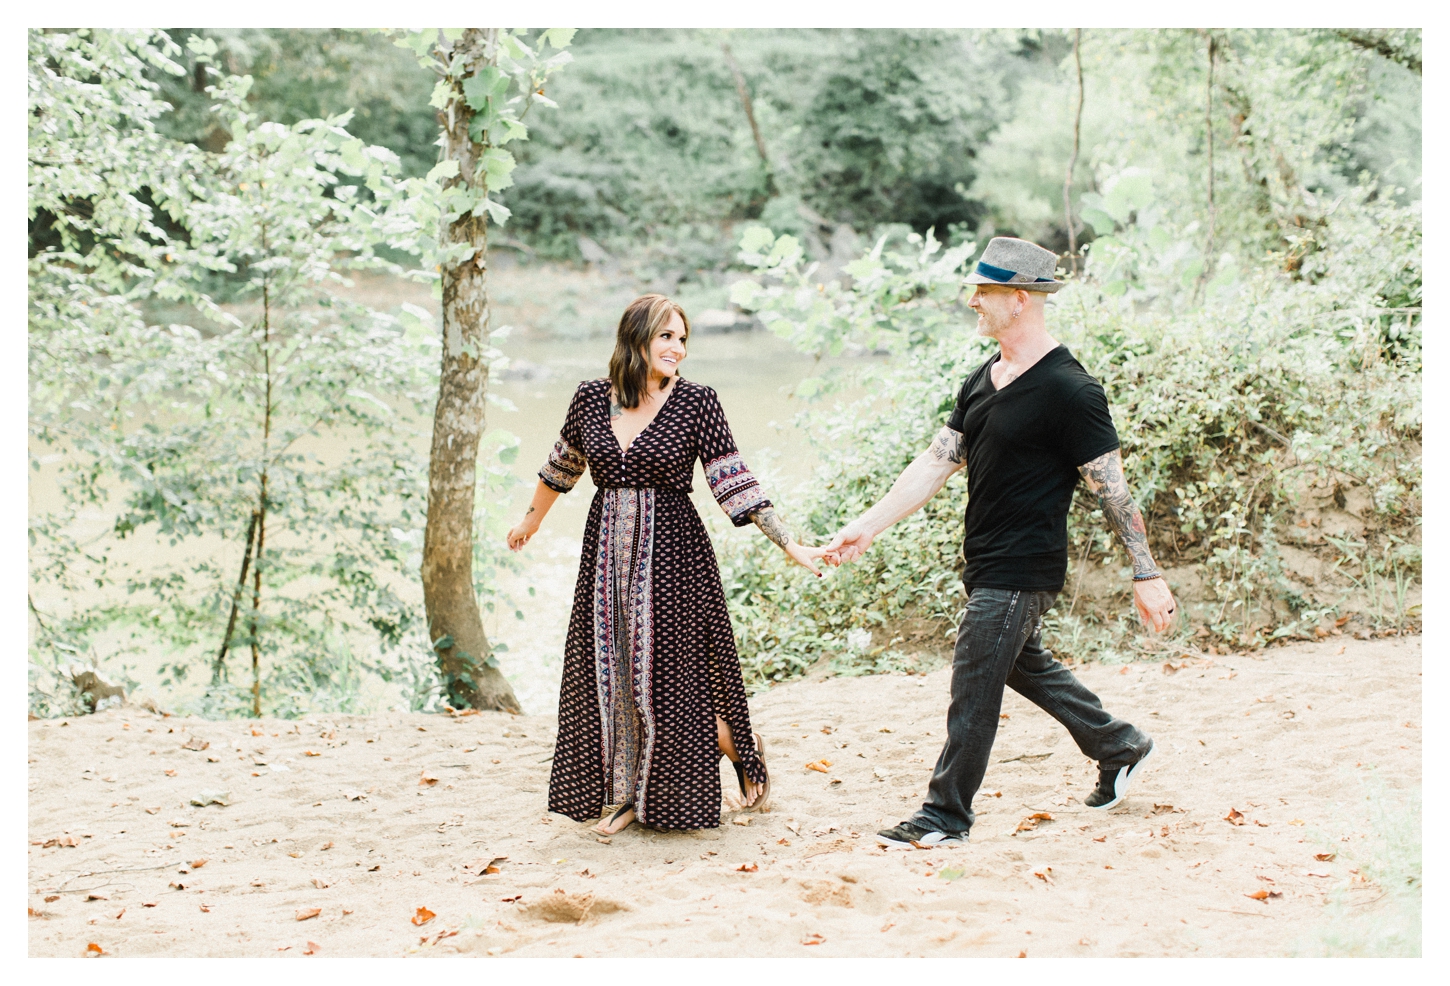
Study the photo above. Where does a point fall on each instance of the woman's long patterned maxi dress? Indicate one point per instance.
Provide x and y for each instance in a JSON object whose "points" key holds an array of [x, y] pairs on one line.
{"points": [[650, 656]]}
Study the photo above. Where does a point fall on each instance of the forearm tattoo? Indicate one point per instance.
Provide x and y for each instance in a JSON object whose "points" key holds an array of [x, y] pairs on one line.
{"points": [[1104, 476], [947, 446], [771, 526]]}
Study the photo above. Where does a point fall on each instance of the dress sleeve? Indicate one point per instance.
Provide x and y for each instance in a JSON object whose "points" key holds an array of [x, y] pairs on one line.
{"points": [[566, 461], [731, 482]]}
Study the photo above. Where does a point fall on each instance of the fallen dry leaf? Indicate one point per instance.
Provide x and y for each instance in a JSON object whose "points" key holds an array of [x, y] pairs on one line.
{"points": [[204, 908], [68, 841], [94, 951], [1030, 822], [1323, 857], [1044, 874], [310, 753], [1023, 954], [423, 916], [94, 896], [1258, 895], [325, 846], [1234, 817], [171, 773], [52, 898], [149, 903], [782, 842], [742, 821], [310, 912], [1100, 838], [196, 743], [312, 948], [426, 779], [320, 883], [818, 765], [197, 864], [813, 939], [747, 868], [295, 855]]}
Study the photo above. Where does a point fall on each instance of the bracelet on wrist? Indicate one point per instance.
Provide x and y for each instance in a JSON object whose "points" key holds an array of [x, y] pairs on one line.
{"points": [[1147, 577]]}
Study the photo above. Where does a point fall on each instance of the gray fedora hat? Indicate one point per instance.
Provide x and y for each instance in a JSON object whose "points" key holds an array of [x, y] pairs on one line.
{"points": [[1018, 264]]}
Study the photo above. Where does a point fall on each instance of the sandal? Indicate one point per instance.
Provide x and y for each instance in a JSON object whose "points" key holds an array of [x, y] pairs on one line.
{"points": [[610, 815], [740, 776]]}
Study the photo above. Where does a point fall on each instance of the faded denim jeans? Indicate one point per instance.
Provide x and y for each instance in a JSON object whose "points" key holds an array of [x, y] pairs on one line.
{"points": [[999, 644]]}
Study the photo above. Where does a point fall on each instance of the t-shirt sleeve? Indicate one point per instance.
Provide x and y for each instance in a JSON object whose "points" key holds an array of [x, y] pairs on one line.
{"points": [[958, 418], [1087, 427]]}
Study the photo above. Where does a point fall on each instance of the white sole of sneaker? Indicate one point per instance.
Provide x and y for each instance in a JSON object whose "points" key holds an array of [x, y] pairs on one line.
{"points": [[929, 841], [1126, 777]]}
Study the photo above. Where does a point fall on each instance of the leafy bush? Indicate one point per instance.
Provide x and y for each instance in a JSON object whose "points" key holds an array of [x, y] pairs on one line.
{"points": [[1227, 412]]}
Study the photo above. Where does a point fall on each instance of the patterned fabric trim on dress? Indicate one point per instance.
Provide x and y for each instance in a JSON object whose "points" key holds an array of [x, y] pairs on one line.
{"points": [[735, 488], [565, 466], [624, 643]]}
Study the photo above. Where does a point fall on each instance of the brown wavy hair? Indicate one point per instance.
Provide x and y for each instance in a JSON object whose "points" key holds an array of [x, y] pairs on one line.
{"points": [[640, 323]]}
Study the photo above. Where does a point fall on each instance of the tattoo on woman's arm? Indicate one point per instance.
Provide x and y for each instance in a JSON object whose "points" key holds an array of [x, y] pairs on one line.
{"points": [[947, 446], [771, 526], [1105, 476]]}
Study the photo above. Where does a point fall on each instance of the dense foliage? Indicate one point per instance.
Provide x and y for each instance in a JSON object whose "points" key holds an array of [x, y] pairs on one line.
{"points": [[1251, 376], [283, 417]]}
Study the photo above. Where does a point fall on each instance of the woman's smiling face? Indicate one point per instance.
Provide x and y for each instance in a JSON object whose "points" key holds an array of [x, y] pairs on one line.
{"points": [[667, 349]]}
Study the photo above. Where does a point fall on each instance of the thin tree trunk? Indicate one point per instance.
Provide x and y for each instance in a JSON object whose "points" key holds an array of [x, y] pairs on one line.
{"points": [[261, 513], [1208, 136], [1072, 162], [218, 671], [749, 107], [455, 626]]}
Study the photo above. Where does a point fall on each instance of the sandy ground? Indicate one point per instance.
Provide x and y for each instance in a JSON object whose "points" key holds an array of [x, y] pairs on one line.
{"points": [[337, 816]]}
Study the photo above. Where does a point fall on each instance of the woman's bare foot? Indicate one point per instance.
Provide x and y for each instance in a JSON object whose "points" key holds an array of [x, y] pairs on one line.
{"points": [[753, 790], [617, 822]]}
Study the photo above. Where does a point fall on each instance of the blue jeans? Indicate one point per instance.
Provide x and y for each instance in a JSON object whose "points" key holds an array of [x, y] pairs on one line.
{"points": [[999, 644]]}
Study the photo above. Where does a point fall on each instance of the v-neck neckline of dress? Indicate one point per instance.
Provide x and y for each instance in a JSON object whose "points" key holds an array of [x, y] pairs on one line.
{"points": [[624, 452]]}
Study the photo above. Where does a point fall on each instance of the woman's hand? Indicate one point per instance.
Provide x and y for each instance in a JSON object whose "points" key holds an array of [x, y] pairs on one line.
{"points": [[806, 557], [525, 529]]}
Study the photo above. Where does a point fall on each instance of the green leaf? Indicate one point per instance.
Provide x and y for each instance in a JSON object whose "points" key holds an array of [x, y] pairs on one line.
{"points": [[508, 455], [443, 169], [497, 166], [756, 239], [558, 37], [787, 250], [1131, 190], [498, 212], [1100, 221], [513, 130], [744, 292], [489, 83]]}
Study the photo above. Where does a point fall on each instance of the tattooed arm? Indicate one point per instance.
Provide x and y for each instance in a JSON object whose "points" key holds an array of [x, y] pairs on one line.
{"points": [[918, 483], [1104, 476], [544, 498], [771, 526]]}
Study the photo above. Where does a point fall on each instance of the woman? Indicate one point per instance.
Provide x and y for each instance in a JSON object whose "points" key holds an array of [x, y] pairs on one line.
{"points": [[651, 694]]}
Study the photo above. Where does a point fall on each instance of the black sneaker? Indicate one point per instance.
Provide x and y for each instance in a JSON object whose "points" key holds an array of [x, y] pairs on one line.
{"points": [[909, 835], [1113, 784]]}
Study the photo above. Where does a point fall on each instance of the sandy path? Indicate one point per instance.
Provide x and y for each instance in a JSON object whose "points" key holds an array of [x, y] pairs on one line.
{"points": [[351, 831]]}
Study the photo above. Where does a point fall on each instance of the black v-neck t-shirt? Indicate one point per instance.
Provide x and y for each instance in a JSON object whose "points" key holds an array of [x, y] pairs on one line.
{"points": [[1022, 446]]}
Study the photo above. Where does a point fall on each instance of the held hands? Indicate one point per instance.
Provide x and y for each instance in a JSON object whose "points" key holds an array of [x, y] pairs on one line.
{"points": [[849, 544], [807, 557], [1155, 604]]}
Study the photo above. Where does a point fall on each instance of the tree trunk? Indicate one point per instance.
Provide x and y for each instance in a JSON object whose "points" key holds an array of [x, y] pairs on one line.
{"points": [[455, 625], [1072, 161], [219, 667], [749, 106]]}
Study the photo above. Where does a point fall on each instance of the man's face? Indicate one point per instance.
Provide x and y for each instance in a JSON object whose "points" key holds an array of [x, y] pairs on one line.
{"points": [[994, 304]]}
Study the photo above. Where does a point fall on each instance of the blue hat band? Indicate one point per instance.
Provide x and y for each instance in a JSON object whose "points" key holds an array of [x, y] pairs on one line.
{"points": [[1002, 274]]}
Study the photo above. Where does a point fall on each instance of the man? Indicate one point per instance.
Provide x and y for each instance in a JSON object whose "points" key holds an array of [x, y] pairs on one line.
{"points": [[1027, 423]]}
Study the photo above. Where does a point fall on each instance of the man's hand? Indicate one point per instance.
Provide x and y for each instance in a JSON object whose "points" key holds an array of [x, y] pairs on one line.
{"points": [[1155, 604], [849, 544]]}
